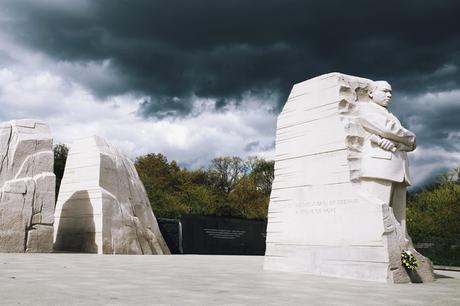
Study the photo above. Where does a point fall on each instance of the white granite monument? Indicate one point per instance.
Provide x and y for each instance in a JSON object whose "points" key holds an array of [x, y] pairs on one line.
{"points": [[338, 200], [27, 187], [102, 205]]}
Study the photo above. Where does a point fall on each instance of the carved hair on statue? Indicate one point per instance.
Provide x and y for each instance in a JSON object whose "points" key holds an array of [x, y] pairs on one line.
{"points": [[373, 86]]}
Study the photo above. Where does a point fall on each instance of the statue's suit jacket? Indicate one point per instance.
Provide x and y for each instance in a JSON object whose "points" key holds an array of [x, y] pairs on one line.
{"points": [[375, 161]]}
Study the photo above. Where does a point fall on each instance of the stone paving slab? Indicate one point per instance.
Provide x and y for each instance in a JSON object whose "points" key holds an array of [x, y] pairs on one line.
{"points": [[86, 279]]}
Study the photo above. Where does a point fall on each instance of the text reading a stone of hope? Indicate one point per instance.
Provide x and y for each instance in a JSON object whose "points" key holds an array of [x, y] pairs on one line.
{"points": [[321, 206]]}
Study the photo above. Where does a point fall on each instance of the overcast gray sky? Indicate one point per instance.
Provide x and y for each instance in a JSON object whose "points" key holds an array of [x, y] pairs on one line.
{"points": [[198, 79]]}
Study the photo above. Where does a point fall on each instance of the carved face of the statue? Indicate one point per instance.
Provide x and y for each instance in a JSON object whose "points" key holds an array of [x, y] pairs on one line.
{"points": [[381, 94]]}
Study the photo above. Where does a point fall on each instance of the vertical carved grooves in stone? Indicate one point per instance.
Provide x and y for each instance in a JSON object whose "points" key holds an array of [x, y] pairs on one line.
{"points": [[137, 235], [142, 233], [349, 95], [121, 163]]}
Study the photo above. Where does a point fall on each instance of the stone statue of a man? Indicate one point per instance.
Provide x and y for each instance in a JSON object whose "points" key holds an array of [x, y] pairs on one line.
{"points": [[384, 163]]}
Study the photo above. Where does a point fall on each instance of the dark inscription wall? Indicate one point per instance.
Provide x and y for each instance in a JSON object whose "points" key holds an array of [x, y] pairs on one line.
{"points": [[194, 234], [224, 236]]}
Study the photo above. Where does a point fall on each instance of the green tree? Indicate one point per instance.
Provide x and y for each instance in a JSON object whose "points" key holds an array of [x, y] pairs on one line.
{"points": [[161, 180], [248, 199], [195, 192], [155, 171], [263, 172], [230, 186], [60, 157], [433, 215], [226, 172]]}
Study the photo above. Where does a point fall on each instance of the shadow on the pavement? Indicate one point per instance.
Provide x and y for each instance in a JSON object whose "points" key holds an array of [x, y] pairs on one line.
{"points": [[438, 276]]}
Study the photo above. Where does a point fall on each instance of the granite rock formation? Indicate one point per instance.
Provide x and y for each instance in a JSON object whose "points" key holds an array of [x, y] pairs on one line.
{"points": [[27, 187], [327, 214], [102, 204]]}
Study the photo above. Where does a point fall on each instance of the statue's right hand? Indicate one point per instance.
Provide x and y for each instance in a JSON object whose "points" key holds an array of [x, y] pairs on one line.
{"points": [[387, 145]]}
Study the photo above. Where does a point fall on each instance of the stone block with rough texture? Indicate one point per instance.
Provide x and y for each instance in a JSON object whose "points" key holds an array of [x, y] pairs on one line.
{"points": [[102, 204], [321, 219], [27, 187]]}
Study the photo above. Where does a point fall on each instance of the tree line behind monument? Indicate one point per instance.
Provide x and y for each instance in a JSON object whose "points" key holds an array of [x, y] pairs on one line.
{"points": [[433, 218], [237, 187]]}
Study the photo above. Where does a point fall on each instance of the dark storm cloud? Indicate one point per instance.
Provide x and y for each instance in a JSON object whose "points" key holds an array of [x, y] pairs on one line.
{"points": [[433, 117], [174, 51], [220, 49]]}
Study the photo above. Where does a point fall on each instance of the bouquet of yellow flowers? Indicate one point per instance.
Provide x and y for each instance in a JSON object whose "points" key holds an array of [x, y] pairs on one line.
{"points": [[408, 260]]}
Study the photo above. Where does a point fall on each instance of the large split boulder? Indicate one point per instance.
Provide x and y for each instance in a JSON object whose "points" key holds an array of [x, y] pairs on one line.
{"points": [[27, 187], [102, 204]]}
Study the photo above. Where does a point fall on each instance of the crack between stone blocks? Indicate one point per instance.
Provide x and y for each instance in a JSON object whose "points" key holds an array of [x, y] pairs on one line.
{"points": [[35, 153], [33, 197], [26, 230], [33, 201], [7, 149], [26, 236], [137, 236], [47, 224], [29, 225]]}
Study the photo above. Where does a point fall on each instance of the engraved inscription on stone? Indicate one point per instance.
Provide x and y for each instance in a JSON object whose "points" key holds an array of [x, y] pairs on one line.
{"points": [[321, 206], [223, 233]]}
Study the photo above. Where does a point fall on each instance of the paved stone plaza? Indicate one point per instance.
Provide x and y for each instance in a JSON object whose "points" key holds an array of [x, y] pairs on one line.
{"points": [[84, 279]]}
